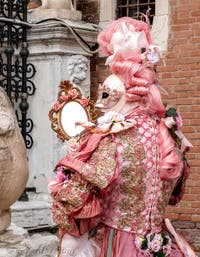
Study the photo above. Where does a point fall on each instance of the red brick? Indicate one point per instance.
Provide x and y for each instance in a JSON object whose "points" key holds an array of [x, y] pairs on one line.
{"points": [[195, 204], [172, 216], [195, 13], [195, 190], [195, 217], [185, 217]]}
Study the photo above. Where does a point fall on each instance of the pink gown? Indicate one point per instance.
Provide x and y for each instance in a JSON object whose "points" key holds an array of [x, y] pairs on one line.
{"points": [[115, 186]]}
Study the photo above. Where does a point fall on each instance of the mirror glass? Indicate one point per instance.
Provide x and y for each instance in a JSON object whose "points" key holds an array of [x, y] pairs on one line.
{"points": [[71, 113], [71, 107]]}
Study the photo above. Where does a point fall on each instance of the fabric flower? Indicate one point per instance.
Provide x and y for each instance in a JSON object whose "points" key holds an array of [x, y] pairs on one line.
{"points": [[153, 57], [158, 237], [167, 249], [138, 242], [155, 245], [73, 93], [169, 122], [84, 102], [60, 177], [56, 106], [110, 117], [64, 98]]}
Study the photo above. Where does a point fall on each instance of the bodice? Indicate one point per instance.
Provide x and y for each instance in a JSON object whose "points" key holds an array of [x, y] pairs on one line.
{"points": [[136, 201]]}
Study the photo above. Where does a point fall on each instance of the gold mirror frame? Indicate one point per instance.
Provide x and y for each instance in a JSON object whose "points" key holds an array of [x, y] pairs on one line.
{"points": [[68, 94]]}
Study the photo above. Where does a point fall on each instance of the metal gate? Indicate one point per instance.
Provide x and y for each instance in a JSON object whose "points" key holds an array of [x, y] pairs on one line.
{"points": [[16, 72]]}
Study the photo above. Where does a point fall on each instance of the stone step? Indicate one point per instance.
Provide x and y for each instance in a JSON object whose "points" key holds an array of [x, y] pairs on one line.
{"points": [[33, 213]]}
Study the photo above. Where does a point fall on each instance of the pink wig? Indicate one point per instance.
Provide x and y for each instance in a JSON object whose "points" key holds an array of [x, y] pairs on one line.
{"points": [[139, 80]]}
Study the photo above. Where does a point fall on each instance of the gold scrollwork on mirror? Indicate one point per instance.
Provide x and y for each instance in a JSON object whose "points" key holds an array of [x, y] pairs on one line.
{"points": [[71, 107]]}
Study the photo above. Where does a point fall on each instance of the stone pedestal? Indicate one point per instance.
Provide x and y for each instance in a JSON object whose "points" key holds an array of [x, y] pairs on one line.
{"points": [[41, 13], [51, 49]]}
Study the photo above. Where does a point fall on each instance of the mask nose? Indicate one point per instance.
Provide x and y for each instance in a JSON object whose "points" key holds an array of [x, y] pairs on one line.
{"points": [[99, 104]]}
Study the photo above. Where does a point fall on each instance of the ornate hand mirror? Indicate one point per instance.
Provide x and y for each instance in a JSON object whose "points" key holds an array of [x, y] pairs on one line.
{"points": [[71, 107]]}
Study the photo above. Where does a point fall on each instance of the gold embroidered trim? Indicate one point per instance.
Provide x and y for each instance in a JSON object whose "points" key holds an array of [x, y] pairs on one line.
{"points": [[133, 174], [101, 165]]}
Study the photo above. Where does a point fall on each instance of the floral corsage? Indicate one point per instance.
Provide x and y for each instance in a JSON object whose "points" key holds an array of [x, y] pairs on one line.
{"points": [[173, 121], [62, 175], [155, 245]]}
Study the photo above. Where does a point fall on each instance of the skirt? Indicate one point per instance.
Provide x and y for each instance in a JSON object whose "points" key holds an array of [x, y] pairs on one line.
{"points": [[117, 243], [111, 242]]}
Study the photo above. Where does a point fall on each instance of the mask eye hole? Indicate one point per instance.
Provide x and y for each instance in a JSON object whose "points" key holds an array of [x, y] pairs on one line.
{"points": [[105, 95]]}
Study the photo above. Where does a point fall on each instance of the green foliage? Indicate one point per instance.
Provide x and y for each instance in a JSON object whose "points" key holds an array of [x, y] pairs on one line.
{"points": [[159, 254]]}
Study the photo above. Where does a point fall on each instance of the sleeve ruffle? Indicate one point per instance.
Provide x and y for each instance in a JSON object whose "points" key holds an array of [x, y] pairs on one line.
{"points": [[76, 207]]}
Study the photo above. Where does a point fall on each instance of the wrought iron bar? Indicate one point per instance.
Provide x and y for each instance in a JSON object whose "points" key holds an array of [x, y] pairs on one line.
{"points": [[15, 71]]}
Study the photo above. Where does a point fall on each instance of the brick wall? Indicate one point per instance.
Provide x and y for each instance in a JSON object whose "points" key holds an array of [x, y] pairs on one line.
{"points": [[181, 77]]}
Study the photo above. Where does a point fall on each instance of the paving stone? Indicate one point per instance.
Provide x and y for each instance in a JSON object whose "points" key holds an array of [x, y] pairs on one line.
{"points": [[37, 245]]}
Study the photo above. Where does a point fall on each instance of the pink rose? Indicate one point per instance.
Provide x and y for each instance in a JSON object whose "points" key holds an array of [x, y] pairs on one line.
{"points": [[59, 169], [153, 57], [84, 102], [155, 245], [110, 117], [56, 106], [158, 236], [73, 93], [167, 249], [60, 177], [169, 122], [64, 98], [138, 242]]}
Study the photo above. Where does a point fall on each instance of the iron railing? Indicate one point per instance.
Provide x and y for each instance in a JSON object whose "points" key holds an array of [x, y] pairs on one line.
{"points": [[16, 72]]}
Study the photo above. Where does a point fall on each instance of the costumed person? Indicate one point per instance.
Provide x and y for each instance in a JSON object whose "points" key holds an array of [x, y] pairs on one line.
{"points": [[111, 194]]}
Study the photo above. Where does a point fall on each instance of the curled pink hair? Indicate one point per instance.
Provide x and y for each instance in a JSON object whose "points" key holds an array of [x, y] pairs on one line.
{"points": [[139, 80], [140, 84]]}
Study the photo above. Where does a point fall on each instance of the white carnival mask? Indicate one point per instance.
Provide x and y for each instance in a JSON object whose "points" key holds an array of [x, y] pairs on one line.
{"points": [[111, 94]]}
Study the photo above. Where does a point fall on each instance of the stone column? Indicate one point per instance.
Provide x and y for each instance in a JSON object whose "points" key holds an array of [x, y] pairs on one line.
{"points": [[56, 56]]}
